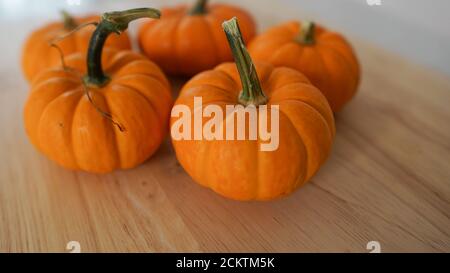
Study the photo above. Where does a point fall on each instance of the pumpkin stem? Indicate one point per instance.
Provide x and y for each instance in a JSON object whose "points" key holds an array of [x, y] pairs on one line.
{"points": [[117, 22], [199, 8], [252, 92], [69, 22], [306, 36]]}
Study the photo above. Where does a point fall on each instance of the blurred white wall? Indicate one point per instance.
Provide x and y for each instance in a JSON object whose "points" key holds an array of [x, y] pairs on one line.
{"points": [[417, 29]]}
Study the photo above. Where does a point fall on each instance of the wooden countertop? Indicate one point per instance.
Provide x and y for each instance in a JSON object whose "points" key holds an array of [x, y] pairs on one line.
{"points": [[388, 180]]}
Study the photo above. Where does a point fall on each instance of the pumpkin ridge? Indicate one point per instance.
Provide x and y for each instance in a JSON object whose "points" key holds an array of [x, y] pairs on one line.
{"points": [[211, 38], [202, 80], [341, 42], [74, 89], [129, 75], [174, 45], [49, 104], [177, 34], [151, 30], [204, 86], [204, 104], [289, 85], [150, 76], [323, 69], [203, 171], [39, 116], [212, 22], [119, 60], [349, 64], [258, 187], [332, 133], [292, 84], [305, 169], [273, 86], [345, 93], [299, 135], [265, 43], [157, 74], [230, 77], [236, 81], [113, 129], [38, 65], [28, 58], [152, 106], [337, 52], [111, 125], [38, 85], [215, 102], [71, 133], [331, 136], [39, 79], [280, 48], [216, 186], [236, 84]]}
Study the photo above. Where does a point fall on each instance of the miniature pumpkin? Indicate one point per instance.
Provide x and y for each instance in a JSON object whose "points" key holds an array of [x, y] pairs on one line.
{"points": [[325, 57], [113, 118], [187, 41], [37, 53], [238, 169]]}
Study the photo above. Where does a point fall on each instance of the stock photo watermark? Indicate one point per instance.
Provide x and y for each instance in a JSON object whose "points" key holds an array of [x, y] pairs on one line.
{"points": [[374, 247], [228, 125], [373, 2], [75, 247]]}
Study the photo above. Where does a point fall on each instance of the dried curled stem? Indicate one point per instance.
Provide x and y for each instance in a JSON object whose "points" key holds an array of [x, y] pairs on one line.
{"points": [[65, 35], [53, 42], [61, 55], [106, 115]]}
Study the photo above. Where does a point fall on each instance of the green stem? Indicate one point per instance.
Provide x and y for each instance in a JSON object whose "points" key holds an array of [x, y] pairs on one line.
{"points": [[199, 8], [117, 22], [252, 92], [307, 34], [69, 22]]}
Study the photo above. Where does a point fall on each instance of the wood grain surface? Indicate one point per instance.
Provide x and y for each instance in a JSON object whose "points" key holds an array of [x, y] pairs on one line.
{"points": [[387, 180]]}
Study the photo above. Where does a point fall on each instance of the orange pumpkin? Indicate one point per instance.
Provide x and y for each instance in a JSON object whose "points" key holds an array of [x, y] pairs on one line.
{"points": [[325, 57], [113, 118], [239, 169], [37, 54], [187, 41]]}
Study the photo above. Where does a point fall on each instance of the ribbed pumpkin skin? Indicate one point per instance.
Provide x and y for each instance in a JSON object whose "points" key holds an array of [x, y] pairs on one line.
{"points": [[330, 63], [62, 123], [185, 44], [38, 55], [239, 169]]}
